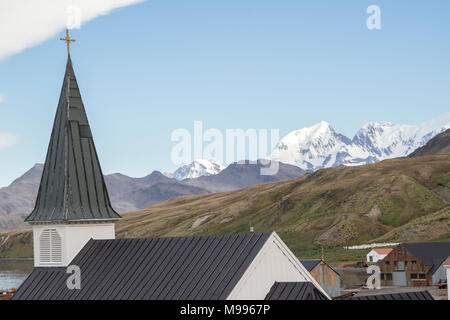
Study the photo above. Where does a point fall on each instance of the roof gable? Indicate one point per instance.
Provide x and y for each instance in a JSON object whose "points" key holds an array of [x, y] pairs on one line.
{"points": [[184, 268], [72, 185], [383, 251], [309, 264], [312, 263], [430, 253]]}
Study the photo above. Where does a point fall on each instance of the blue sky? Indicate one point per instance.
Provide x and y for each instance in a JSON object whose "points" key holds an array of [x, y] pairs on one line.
{"points": [[148, 69]]}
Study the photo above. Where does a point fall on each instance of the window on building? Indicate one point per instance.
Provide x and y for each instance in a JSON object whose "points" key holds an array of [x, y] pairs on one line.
{"points": [[414, 262], [381, 276], [371, 259], [422, 276], [50, 247], [388, 276], [406, 263], [414, 276], [387, 263]]}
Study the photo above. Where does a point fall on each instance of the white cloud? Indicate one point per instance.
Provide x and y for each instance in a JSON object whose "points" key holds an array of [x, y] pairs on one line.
{"points": [[7, 140], [26, 23], [2, 97]]}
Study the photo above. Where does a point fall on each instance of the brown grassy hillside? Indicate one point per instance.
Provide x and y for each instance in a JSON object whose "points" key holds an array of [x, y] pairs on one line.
{"points": [[329, 206], [440, 144], [333, 207]]}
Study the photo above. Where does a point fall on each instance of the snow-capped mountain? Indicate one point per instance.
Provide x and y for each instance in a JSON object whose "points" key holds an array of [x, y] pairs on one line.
{"points": [[197, 169], [320, 146]]}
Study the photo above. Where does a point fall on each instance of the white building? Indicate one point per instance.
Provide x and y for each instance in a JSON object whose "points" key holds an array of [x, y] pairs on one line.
{"points": [[378, 254], [252, 266]]}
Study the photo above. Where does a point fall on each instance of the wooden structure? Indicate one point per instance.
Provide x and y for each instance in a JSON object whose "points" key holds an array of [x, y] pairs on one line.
{"points": [[414, 264], [326, 276]]}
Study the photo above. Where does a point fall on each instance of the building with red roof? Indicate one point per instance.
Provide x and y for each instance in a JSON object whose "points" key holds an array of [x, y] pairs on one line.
{"points": [[378, 254]]}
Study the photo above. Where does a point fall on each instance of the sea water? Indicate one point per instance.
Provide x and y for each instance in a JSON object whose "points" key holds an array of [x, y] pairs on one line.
{"points": [[14, 272]]}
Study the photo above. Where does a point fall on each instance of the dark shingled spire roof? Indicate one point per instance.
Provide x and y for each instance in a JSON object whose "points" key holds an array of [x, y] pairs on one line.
{"points": [[72, 186]]}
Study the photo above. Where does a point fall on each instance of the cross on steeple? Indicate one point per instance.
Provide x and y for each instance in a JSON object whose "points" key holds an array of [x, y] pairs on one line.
{"points": [[68, 41]]}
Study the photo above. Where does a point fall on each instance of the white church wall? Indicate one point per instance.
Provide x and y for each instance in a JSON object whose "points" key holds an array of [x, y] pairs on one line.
{"points": [[73, 238], [274, 263]]}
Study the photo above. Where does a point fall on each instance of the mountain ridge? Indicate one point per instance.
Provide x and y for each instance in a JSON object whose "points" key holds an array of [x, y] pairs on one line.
{"points": [[439, 144], [130, 194], [196, 169], [331, 207], [316, 147], [320, 146]]}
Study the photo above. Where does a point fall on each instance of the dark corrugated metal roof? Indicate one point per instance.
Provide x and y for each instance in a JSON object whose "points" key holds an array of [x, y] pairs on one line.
{"points": [[418, 295], [185, 268], [72, 185], [295, 291], [310, 264], [430, 253]]}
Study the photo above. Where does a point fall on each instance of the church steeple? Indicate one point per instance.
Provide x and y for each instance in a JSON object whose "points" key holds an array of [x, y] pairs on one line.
{"points": [[73, 204], [72, 186]]}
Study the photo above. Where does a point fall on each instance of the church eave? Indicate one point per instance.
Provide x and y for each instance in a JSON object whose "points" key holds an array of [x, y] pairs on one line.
{"points": [[81, 221]]}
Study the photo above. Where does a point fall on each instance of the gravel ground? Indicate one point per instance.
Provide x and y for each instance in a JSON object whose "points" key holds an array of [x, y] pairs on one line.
{"points": [[436, 293]]}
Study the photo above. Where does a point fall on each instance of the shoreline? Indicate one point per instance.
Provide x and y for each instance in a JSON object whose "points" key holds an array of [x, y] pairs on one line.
{"points": [[16, 259]]}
